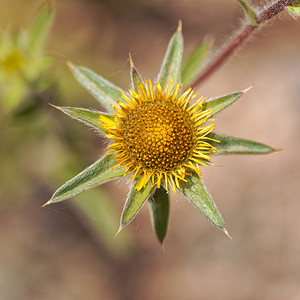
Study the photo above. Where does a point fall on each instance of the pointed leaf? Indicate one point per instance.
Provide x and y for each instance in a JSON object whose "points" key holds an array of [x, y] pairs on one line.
{"points": [[218, 104], [104, 91], [192, 65], [171, 65], [135, 77], [197, 194], [233, 145], [99, 172], [159, 209], [40, 28], [135, 201], [87, 116]]}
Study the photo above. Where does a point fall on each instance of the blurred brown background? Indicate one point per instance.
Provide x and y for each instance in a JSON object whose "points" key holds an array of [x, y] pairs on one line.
{"points": [[49, 253]]}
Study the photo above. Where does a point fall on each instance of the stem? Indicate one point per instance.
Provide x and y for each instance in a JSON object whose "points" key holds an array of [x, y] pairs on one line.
{"points": [[239, 38], [273, 10]]}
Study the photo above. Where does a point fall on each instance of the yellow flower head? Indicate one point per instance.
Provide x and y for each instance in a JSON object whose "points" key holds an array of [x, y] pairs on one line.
{"points": [[159, 135]]}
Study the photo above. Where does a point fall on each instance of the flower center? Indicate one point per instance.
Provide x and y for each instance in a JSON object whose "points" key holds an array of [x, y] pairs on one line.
{"points": [[158, 135], [12, 62]]}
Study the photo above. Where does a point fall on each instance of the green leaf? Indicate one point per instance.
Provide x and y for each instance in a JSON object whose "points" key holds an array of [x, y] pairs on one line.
{"points": [[192, 65], [40, 28], [99, 172], [104, 91], [218, 104], [233, 145], [86, 116], [135, 201], [197, 194], [159, 209], [171, 65], [135, 77], [294, 8]]}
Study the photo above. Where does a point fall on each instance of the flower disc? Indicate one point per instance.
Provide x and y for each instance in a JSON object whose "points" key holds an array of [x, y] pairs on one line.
{"points": [[158, 136]]}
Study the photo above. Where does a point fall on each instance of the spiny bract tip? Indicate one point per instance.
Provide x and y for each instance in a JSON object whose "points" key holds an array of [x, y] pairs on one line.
{"points": [[179, 27], [226, 232], [247, 89], [70, 64], [55, 106], [130, 60], [119, 230], [277, 149], [47, 203]]}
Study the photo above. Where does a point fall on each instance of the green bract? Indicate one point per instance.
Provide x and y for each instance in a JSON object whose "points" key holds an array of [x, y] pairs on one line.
{"points": [[107, 167]]}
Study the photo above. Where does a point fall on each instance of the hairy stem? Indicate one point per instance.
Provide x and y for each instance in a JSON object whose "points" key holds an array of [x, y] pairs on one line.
{"points": [[273, 10], [239, 38]]}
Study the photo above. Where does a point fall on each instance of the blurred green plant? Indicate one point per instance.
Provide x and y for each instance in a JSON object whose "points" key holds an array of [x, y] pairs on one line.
{"points": [[23, 60], [27, 127]]}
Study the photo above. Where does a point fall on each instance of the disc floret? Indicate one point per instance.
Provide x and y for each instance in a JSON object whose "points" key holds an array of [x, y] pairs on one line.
{"points": [[159, 135]]}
